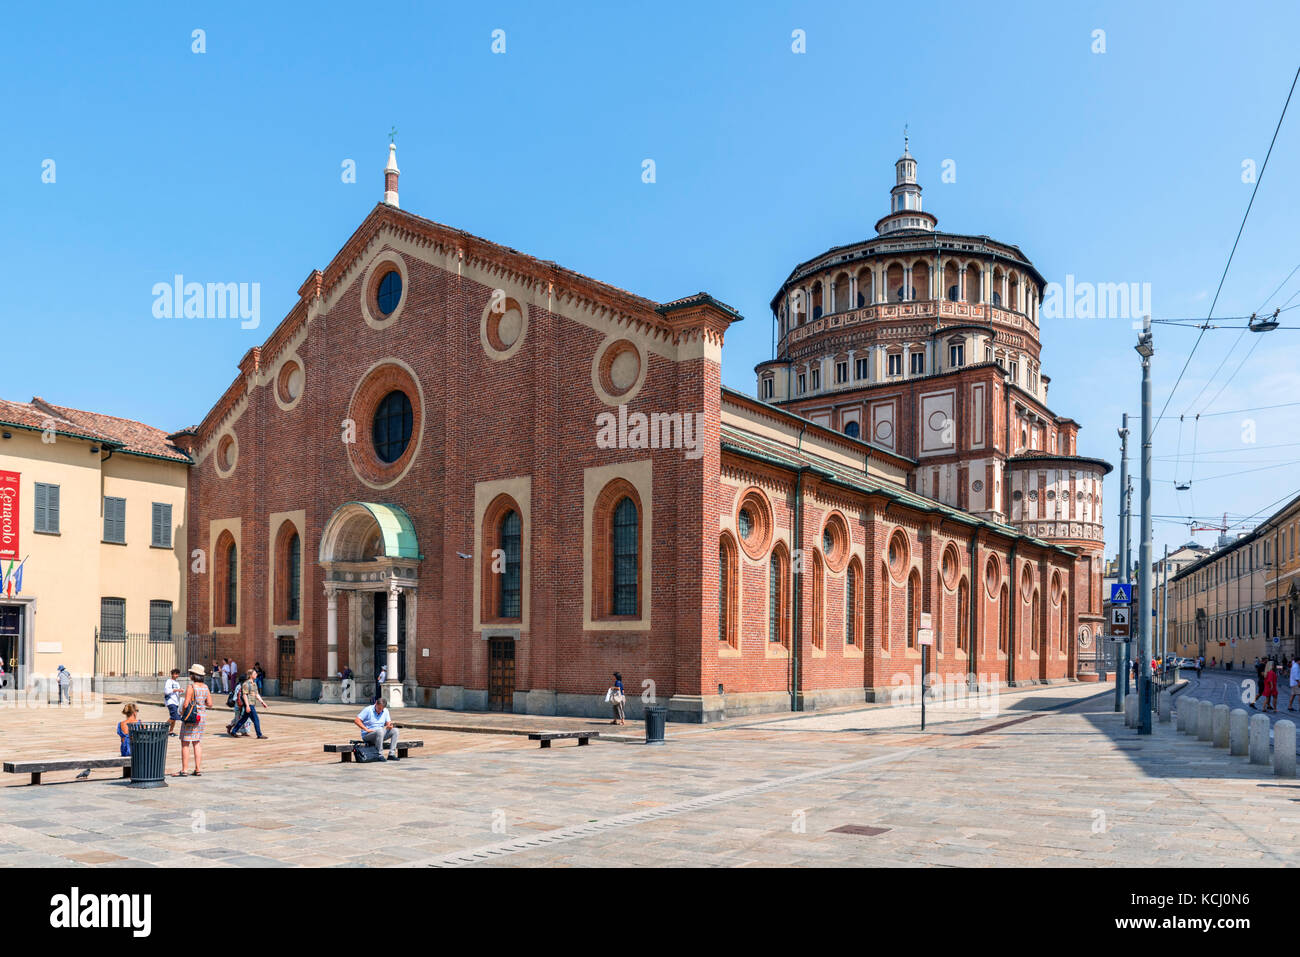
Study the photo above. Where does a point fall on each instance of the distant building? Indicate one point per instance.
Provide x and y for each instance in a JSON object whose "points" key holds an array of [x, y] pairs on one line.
{"points": [[1241, 601], [93, 508]]}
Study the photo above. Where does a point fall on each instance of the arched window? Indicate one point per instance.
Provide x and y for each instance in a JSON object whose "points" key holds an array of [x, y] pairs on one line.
{"points": [[963, 617], [1004, 622], [1065, 628], [509, 540], [293, 579], [851, 604], [231, 610], [818, 601], [1034, 635], [728, 603], [913, 609], [777, 617], [851, 430], [624, 551]]}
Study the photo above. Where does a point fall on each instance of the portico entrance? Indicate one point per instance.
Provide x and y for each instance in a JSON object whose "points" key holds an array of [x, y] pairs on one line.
{"points": [[371, 559]]}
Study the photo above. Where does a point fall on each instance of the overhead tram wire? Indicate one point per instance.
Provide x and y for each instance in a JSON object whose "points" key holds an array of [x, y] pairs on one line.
{"points": [[1253, 193]]}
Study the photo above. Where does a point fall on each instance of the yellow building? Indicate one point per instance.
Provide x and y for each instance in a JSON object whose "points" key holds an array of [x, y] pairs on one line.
{"points": [[1242, 601], [92, 508], [1281, 533]]}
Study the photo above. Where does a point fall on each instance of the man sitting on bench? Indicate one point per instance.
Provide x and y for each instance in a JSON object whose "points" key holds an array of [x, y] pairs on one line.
{"points": [[377, 727]]}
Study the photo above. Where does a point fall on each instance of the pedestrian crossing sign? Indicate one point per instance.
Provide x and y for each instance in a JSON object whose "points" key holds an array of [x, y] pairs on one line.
{"points": [[1121, 593]]}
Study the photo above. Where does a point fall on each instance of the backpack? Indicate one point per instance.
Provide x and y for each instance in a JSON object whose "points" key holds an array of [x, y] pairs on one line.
{"points": [[364, 753]]}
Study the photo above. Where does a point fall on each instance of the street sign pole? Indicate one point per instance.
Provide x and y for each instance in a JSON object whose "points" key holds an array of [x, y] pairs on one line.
{"points": [[1145, 349], [925, 637], [1121, 652]]}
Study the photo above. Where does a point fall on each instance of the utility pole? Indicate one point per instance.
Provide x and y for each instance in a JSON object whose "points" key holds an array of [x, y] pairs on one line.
{"points": [[1145, 348], [1164, 607], [1121, 651]]}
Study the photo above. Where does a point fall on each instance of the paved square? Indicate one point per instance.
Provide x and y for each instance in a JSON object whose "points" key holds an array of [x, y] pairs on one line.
{"points": [[1052, 779]]}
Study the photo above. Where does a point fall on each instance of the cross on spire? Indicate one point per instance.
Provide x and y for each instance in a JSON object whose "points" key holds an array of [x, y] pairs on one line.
{"points": [[392, 135]]}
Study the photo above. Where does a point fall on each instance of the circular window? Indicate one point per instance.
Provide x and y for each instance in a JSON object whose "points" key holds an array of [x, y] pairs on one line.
{"points": [[835, 541], [1033, 495], [1017, 495], [618, 372], [977, 485], [391, 431], [288, 384], [898, 555], [388, 401], [937, 421], [754, 523], [227, 454], [992, 576], [389, 293], [1051, 495], [1079, 496], [503, 325], [884, 430], [950, 567]]}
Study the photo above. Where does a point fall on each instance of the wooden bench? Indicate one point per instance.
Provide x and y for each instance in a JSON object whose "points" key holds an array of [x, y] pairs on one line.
{"points": [[37, 768], [345, 750], [546, 737]]}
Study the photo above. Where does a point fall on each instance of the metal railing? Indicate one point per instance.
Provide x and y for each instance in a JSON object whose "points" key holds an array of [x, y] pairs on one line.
{"points": [[139, 655]]}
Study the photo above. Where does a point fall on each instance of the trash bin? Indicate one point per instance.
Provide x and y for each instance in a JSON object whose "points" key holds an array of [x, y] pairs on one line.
{"points": [[656, 716], [149, 754]]}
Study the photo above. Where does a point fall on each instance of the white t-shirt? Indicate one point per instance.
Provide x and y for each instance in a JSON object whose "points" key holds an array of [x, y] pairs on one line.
{"points": [[1295, 672], [172, 689], [383, 674], [234, 669]]}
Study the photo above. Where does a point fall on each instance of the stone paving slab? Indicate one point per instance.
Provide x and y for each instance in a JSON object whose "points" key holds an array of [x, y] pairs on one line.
{"points": [[1070, 788]]}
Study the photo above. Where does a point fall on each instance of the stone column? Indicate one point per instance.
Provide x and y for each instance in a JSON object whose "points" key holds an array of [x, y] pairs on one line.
{"points": [[393, 687], [330, 686]]}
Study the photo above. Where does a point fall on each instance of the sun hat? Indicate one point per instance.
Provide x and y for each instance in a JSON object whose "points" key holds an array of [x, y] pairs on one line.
{"points": [[196, 670]]}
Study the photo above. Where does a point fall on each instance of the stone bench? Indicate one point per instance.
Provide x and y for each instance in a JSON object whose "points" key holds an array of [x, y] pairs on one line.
{"points": [[37, 768], [345, 750], [546, 737]]}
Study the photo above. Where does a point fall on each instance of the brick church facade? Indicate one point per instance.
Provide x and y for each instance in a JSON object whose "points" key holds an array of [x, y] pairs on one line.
{"points": [[501, 481]]}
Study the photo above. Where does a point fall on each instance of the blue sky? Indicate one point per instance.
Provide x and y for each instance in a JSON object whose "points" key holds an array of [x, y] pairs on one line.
{"points": [[1122, 166]]}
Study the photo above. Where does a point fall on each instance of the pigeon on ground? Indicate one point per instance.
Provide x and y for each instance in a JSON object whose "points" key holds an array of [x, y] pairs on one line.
{"points": [[84, 774]]}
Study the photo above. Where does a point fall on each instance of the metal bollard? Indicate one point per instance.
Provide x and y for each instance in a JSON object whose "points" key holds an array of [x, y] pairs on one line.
{"points": [[1284, 749], [1259, 749], [1238, 723], [1220, 726]]}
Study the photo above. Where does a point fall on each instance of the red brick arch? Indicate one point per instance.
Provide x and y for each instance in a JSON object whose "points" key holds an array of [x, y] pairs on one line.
{"points": [[283, 537]]}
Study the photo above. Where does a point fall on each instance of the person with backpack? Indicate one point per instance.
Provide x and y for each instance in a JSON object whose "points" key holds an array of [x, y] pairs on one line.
{"points": [[247, 693], [194, 709]]}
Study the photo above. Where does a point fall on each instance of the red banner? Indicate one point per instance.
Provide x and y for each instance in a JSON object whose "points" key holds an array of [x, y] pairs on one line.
{"points": [[9, 515]]}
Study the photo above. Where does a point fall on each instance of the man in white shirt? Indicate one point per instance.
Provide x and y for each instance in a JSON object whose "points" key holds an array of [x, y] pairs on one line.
{"points": [[232, 676], [377, 727], [1295, 683], [172, 698], [380, 679]]}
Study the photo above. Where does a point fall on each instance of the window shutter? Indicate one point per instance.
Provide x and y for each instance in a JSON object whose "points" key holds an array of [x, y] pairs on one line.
{"points": [[40, 519], [155, 537], [52, 508]]}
